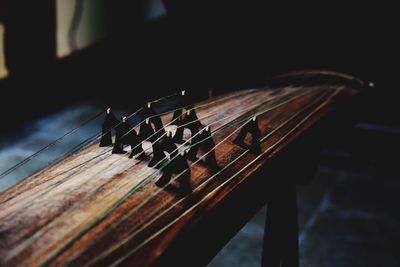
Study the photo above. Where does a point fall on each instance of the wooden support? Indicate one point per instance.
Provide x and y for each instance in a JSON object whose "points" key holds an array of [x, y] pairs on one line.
{"points": [[110, 122], [252, 128], [165, 144], [136, 146], [281, 247], [189, 121], [181, 102], [146, 131], [152, 116], [206, 143], [179, 167], [123, 136]]}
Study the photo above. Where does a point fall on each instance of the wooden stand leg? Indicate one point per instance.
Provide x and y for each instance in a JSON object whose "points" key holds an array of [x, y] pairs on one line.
{"points": [[281, 230]]}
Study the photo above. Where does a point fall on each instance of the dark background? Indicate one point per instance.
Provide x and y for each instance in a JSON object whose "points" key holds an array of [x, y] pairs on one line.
{"points": [[230, 45], [197, 45]]}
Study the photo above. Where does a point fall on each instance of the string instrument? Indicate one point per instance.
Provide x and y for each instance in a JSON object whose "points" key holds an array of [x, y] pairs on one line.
{"points": [[134, 198]]}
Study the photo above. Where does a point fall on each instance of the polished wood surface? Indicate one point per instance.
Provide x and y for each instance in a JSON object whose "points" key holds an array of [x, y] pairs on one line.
{"points": [[102, 212]]}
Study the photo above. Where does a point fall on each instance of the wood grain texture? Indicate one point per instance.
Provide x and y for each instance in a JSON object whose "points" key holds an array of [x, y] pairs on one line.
{"points": [[84, 213]]}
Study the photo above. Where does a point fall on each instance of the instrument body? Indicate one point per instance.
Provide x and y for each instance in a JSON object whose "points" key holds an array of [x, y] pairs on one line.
{"points": [[95, 207]]}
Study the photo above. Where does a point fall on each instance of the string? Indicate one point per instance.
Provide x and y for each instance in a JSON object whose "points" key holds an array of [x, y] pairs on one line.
{"points": [[165, 97], [202, 118], [250, 108], [218, 187], [51, 144], [114, 206]]}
